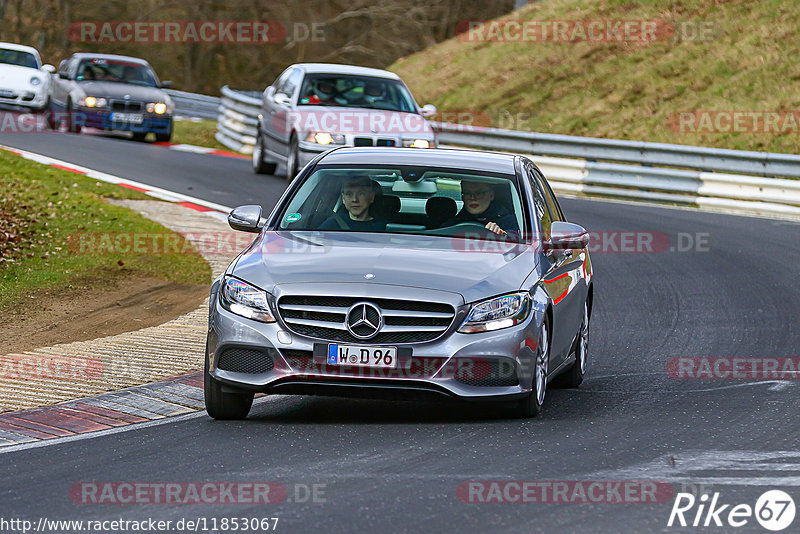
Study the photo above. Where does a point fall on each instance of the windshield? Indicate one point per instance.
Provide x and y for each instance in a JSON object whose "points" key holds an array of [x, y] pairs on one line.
{"points": [[111, 70], [19, 58], [408, 200], [355, 91]]}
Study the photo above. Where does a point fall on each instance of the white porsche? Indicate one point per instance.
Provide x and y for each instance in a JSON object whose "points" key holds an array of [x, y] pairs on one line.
{"points": [[24, 81]]}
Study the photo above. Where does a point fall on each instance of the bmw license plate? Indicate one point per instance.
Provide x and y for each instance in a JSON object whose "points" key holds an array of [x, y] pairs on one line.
{"points": [[134, 118], [362, 356]]}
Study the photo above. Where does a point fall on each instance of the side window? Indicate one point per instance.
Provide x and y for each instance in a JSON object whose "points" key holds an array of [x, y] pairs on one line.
{"points": [[292, 82], [543, 209]]}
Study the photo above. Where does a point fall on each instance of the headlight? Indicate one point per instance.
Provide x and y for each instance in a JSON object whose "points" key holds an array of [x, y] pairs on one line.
{"points": [[416, 143], [157, 107], [92, 102], [325, 138], [243, 299], [497, 313], [35, 81]]}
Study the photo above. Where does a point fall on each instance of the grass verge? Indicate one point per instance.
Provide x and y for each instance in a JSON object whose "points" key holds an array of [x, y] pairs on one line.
{"points": [[197, 133], [41, 207]]}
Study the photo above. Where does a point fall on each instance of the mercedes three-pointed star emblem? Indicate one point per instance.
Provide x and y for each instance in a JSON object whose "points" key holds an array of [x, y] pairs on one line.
{"points": [[364, 320]]}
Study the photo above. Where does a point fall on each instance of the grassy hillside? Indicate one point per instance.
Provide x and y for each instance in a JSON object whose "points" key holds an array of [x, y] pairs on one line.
{"points": [[628, 90]]}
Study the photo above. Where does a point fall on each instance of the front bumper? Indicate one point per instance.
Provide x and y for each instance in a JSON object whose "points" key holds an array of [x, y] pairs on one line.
{"points": [[23, 99], [271, 359], [100, 119]]}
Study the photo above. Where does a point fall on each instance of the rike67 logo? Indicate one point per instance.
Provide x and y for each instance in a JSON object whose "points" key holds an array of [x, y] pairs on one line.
{"points": [[774, 510]]}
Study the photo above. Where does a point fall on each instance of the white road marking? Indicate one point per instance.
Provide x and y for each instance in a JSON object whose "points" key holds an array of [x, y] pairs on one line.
{"points": [[710, 467]]}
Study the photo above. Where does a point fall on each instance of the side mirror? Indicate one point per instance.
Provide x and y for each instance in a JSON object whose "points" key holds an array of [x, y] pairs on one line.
{"points": [[166, 84], [564, 236], [245, 218], [282, 100], [428, 110], [48, 68], [63, 75]]}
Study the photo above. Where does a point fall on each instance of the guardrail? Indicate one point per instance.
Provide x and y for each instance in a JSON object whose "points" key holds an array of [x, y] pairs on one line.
{"points": [[194, 105], [751, 183], [238, 119]]}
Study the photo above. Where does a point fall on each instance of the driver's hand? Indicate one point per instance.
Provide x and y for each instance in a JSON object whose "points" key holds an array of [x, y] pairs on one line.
{"points": [[492, 227]]}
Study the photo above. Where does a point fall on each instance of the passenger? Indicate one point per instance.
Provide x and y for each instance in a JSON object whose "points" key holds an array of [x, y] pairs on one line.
{"points": [[479, 207], [373, 92], [357, 197]]}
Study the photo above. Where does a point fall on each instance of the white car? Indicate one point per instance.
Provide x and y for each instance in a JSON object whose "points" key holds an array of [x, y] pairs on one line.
{"points": [[24, 81]]}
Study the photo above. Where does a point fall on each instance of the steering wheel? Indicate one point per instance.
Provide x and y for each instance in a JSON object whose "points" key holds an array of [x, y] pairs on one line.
{"points": [[460, 227]]}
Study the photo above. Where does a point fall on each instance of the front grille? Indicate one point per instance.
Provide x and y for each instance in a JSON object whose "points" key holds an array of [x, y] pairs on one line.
{"points": [[245, 361], [486, 373], [5, 93], [405, 321], [385, 142], [363, 141], [126, 105]]}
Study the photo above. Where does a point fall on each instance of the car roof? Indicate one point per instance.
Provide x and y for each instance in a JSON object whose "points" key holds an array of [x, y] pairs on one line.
{"points": [[89, 55], [475, 160], [335, 68], [21, 48]]}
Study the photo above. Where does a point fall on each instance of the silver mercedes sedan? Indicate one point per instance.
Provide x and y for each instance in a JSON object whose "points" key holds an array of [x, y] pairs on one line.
{"points": [[403, 273]]}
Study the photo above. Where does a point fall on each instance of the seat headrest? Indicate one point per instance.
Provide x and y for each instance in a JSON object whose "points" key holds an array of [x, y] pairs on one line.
{"points": [[386, 207], [440, 208]]}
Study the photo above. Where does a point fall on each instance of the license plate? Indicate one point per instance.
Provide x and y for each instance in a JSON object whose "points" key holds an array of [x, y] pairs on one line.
{"points": [[362, 356], [135, 118]]}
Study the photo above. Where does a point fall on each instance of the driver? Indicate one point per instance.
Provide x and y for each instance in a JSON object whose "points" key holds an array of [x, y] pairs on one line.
{"points": [[357, 197], [324, 93], [480, 207]]}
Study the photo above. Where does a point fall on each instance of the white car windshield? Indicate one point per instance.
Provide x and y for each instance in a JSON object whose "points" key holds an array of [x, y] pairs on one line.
{"points": [[408, 200], [355, 91], [19, 58]]}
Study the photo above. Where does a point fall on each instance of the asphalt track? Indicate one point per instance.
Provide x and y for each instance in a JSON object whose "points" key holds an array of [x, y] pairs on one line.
{"points": [[395, 466]]}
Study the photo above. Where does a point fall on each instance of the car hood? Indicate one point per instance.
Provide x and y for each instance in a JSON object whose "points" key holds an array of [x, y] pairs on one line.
{"points": [[474, 269], [359, 121], [18, 78], [119, 90]]}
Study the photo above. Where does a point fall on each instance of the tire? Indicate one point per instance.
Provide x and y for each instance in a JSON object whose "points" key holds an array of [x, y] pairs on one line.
{"points": [[50, 116], [573, 377], [222, 404], [259, 165], [139, 136], [72, 125], [531, 405], [292, 159], [164, 137]]}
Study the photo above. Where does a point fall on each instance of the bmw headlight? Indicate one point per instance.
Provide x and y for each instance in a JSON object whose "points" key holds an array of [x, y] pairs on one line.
{"points": [[92, 102], [325, 138], [35, 81], [497, 313], [246, 300], [159, 108], [416, 143]]}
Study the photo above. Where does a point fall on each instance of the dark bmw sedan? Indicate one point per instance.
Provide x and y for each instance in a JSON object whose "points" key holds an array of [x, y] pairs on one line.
{"points": [[418, 274], [111, 92]]}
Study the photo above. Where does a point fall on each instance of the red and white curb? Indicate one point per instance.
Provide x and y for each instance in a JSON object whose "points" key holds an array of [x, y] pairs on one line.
{"points": [[201, 150], [209, 208], [169, 398]]}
